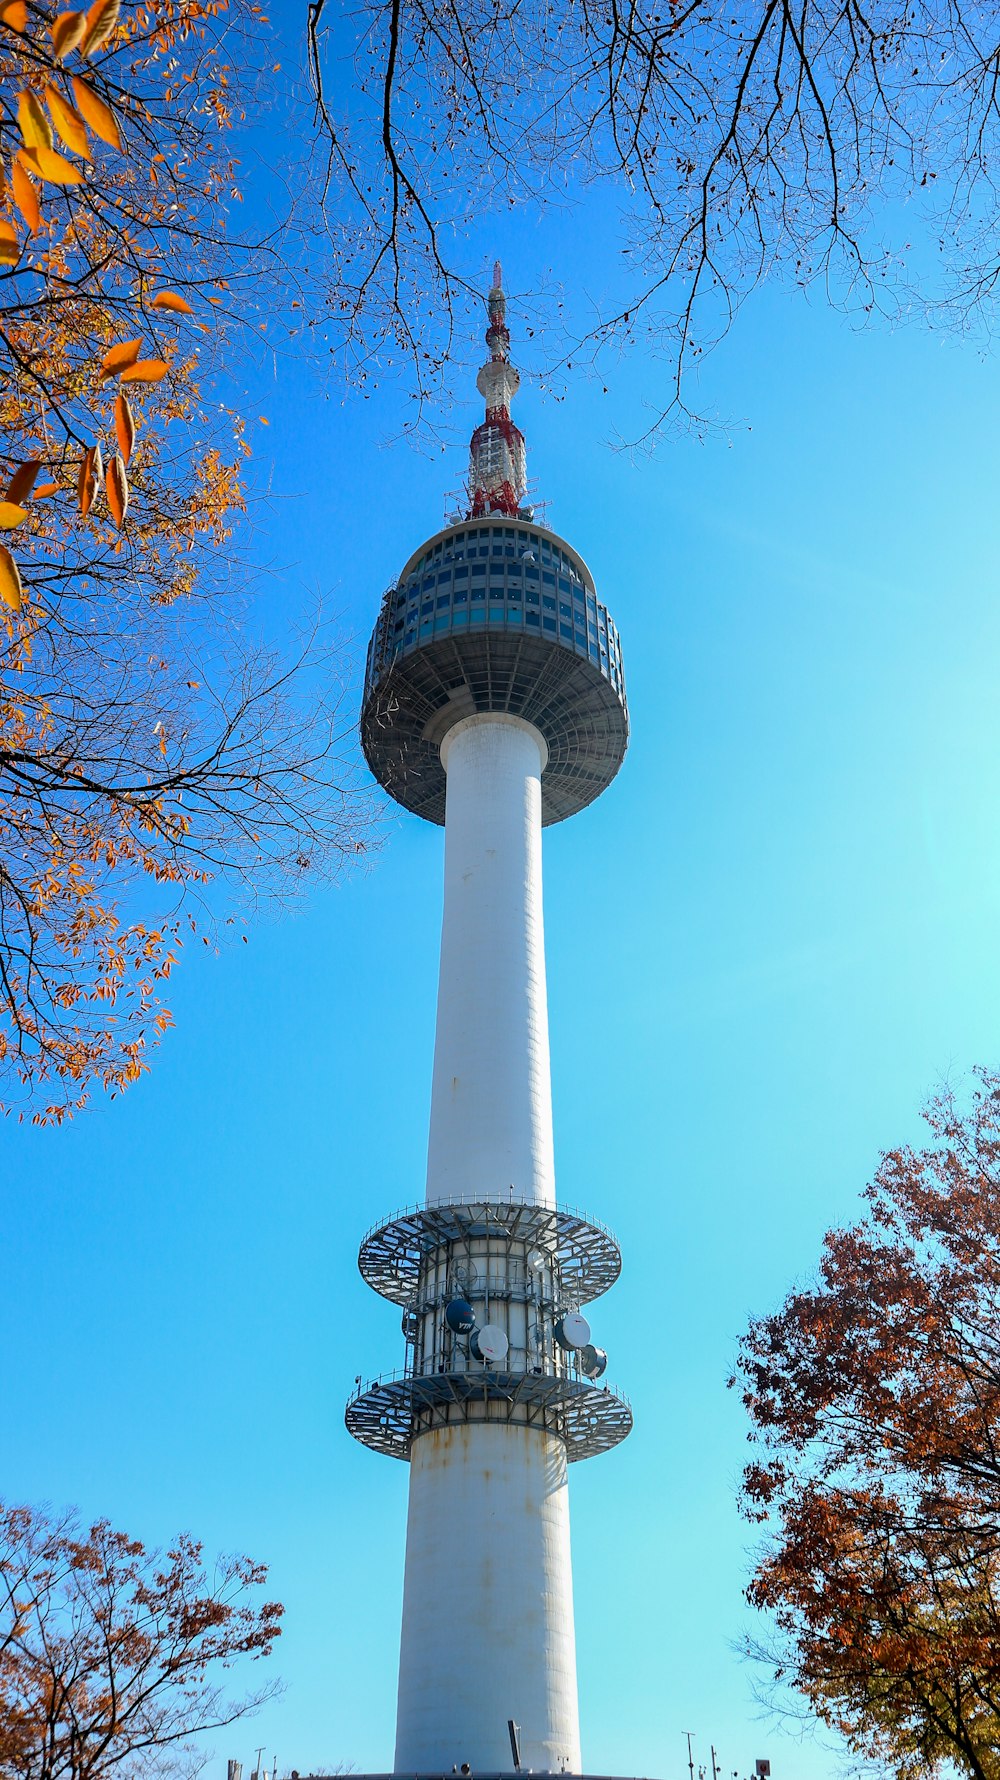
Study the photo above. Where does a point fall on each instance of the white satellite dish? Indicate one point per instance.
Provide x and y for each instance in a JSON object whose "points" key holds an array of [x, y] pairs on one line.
{"points": [[490, 1343], [536, 1261], [572, 1330]]}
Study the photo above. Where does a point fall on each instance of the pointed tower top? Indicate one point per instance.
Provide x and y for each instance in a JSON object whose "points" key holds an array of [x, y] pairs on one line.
{"points": [[497, 458]]}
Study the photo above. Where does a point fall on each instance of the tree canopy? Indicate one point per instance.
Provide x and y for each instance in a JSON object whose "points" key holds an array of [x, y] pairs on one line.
{"points": [[874, 1398]]}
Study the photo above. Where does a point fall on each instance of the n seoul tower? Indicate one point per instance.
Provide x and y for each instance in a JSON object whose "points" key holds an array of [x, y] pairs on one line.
{"points": [[494, 704]]}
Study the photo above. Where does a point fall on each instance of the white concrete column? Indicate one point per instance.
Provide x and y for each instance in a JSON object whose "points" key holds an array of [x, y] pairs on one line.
{"points": [[491, 1102], [487, 1605]]}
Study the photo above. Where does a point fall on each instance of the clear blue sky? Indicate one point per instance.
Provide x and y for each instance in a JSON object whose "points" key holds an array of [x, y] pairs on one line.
{"points": [[772, 936]]}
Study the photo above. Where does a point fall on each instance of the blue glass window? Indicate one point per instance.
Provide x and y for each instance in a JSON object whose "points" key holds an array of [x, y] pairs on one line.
{"points": [[444, 599], [428, 606], [549, 623], [461, 596], [548, 577]]}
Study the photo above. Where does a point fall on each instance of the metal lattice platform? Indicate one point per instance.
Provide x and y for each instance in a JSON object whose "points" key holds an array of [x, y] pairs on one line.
{"points": [[390, 1412], [587, 1254]]}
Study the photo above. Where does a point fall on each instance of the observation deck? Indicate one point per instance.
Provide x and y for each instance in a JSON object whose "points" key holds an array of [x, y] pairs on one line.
{"points": [[495, 617]]}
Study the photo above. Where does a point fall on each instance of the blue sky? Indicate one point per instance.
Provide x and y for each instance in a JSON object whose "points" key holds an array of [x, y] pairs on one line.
{"points": [[766, 943]]}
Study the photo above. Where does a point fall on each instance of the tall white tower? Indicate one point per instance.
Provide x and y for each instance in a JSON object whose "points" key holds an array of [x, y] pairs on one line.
{"points": [[494, 703]]}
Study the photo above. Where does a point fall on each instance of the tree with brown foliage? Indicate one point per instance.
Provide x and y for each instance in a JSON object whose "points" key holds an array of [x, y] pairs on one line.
{"points": [[146, 746], [110, 1653], [874, 1398], [844, 148]]}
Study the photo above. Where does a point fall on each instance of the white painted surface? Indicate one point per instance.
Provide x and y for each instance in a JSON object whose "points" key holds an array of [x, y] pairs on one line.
{"points": [[491, 1100], [487, 1605]]}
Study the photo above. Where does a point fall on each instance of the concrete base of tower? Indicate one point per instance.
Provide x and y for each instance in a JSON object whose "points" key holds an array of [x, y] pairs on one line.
{"points": [[487, 1605]]}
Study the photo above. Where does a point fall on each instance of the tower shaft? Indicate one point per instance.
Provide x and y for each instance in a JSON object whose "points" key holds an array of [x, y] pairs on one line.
{"points": [[491, 1102]]}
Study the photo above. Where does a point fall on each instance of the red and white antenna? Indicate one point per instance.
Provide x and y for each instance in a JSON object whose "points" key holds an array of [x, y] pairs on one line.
{"points": [[498, 470]]}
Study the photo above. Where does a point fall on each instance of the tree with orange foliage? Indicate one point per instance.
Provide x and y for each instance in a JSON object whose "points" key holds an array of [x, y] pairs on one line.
{"points": [[109, 1651], [874, 1398], [144, 746]]}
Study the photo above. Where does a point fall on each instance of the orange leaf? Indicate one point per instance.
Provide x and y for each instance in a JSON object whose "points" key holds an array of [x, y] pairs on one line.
{"points": [[168, 299], [10, 515], [32, 122], [67, 33], [46, 488], [51, 166], [11, 591], [99, 116], [91, 472], [68, 123], [117, 488], [25, 195], [147, 370], [15, 14], [23, 480], [102, 18], [10, 247], [120, 357], [124, 427]]}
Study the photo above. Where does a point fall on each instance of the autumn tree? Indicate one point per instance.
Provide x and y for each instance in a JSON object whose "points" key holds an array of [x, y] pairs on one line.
{"points": [[147, 745], [874, 1398], [845, 148], [111, 1654]]}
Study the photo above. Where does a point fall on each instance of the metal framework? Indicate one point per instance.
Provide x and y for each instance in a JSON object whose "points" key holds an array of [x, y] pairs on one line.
{"points": [[392, 1411], [586, 1254]]}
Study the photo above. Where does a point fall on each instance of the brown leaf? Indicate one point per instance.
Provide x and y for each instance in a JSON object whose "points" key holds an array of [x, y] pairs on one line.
{"points": [[120, 357], [11, 590], [99, 116], [124, 427], [146, 370], [25, 195], [91, 472], [10, 247], [11, 515], [23, 480], [102, 18], [51, 166], [169, 299], [116, 484], [36, 131], [68, 123], [67, 33]]}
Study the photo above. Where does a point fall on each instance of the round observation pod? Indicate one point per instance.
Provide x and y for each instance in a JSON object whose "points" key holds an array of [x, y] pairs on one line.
{"points": [[500, 617], [572, 1331], [593, 1361], [490, 1344], [460, 1316]]}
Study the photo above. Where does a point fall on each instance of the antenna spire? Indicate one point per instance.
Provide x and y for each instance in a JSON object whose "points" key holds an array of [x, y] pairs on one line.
{"points": [[498, 475]]}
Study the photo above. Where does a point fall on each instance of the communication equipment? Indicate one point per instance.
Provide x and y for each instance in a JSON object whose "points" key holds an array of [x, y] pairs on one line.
{"points": [[593, 1361], [460, 1316], [490, 1344], [572, 1331]]}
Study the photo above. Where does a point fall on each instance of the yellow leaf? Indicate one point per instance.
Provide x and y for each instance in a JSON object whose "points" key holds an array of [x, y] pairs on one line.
{"points": [[99, 116], [117, 490], [102, 18], [10, 247], [68, 123], [15, 14], [120, 357], [32, 122], [51, 166], [263, 420], [11, 515], [11, 591], [23, 480], [25, 195], [146, 370], [67, 33], [124, 427], [168, 299]]}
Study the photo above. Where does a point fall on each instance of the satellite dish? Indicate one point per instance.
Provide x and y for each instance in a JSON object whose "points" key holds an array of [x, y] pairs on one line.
{"points": [[464, 1275], [572, 1330], [593, 1362], [536, 1262], [460, 1316], [490, 1343]]}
